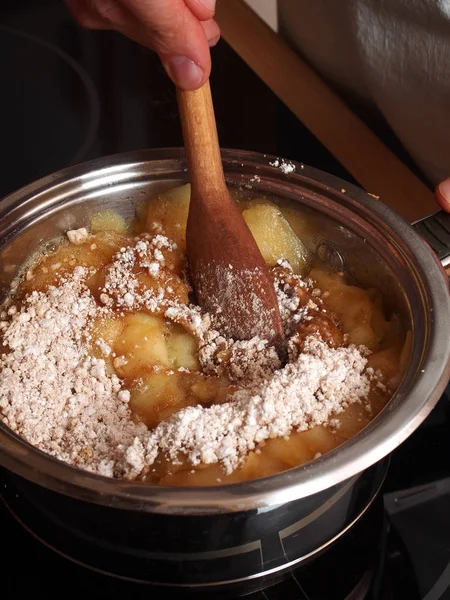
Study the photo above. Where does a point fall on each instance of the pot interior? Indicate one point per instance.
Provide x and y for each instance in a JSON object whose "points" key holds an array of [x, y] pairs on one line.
{"points": [[347, 229]]}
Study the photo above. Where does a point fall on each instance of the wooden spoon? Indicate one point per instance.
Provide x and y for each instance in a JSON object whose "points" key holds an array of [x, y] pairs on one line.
{"points": [[229, 275]]}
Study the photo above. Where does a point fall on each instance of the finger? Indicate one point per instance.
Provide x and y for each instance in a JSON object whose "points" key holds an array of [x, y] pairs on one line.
{"points": [[112, 11], [443, 195], [169, 28], [202, 9], [177, 36], [83, 12], [212, 32]]}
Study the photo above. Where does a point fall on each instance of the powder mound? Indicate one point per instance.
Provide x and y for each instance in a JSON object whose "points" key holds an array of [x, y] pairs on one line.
{"points": [[319, 384], [55, 395], [122, 287], [241, 361]]}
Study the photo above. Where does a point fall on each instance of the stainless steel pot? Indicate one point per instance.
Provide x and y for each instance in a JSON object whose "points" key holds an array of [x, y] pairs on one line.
{"points": [[240, 534]]}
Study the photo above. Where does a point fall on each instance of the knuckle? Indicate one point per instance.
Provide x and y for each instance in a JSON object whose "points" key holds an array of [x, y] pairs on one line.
{"points": [[107, 10]]}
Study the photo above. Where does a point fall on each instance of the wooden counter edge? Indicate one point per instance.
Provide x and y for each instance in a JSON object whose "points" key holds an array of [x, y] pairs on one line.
{"points": [[320, 109]]}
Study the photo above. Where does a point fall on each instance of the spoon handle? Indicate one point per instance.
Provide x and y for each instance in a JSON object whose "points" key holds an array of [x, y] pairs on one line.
{"points": [[200, 139]]}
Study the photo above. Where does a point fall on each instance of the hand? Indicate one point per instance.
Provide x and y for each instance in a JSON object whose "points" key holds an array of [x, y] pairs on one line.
{"points": [[443, 195], [180, 31]]}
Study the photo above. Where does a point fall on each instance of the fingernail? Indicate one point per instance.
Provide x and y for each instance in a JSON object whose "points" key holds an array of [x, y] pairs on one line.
{"points": [[213, 41], [184, 72], [444, 189], [209, 4]]}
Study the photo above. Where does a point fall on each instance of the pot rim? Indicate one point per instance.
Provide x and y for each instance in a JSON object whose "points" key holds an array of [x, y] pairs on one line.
{"points": [[373, 443]]}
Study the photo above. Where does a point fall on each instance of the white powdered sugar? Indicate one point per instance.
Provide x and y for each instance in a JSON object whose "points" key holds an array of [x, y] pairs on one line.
{"points": [[121, 284], [78, 236], [242, 362], [67, 403], [284, 165], [321, 382], [55, 395]]}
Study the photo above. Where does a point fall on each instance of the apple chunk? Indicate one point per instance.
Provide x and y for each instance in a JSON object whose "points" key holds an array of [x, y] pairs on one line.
{"points": [[276, 238], [182, 351], [141, 345], [167, 213]]}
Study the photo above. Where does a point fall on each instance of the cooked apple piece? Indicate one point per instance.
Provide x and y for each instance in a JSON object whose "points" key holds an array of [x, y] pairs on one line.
{"points": [[175, 289], [260, 464], [108, 329], [246, 203], [163, 465], [254, 466], [303, 227], [387, 361], [276, 238], [167, 213], [63, 260], [104, 332], [361, 317], [199, 476], [182, 351], [141, 345], [157, 397], [111, 241], [105, 244], [354, 418], [291, 451], [363, 335], [108, 220], [319, 440], [205, 388]]}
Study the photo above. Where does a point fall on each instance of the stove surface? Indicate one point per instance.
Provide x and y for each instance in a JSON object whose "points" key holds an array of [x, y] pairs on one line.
{"points": [[70, 95]]}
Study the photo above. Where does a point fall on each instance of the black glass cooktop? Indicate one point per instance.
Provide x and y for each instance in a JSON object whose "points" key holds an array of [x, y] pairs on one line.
{"points": [[70, 95]]}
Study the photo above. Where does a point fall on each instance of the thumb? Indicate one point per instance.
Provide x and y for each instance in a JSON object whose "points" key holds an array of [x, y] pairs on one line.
{"points": [[177, 35], [443, 195]]}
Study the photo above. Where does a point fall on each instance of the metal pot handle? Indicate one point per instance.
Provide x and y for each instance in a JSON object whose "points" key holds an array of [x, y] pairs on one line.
{"points": [[436, 231]]}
